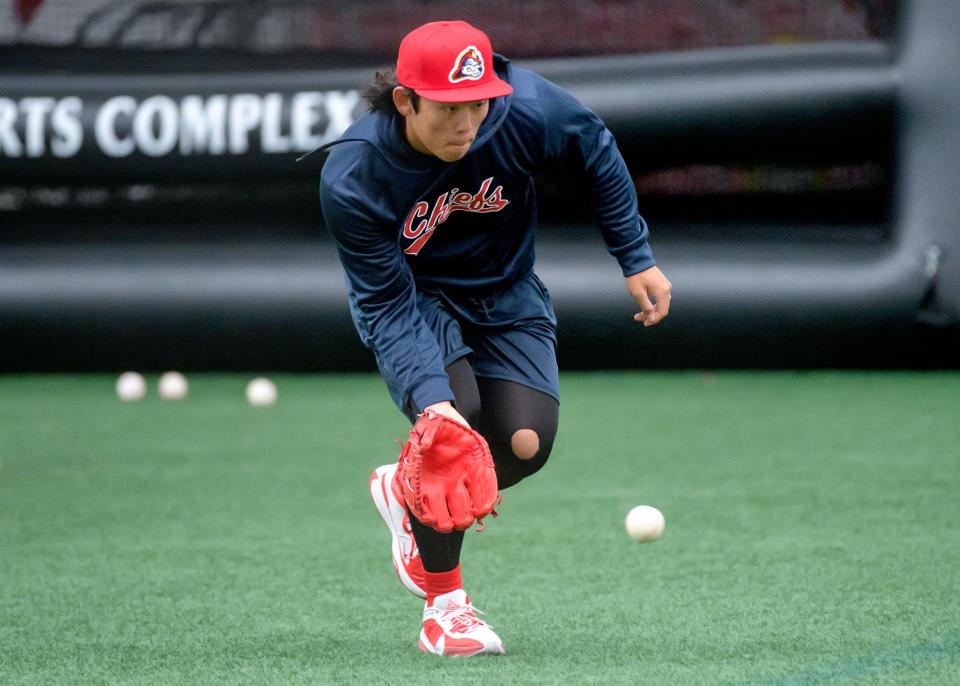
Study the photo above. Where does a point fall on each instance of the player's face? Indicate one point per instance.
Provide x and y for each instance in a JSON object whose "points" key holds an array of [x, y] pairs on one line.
{"points": [[444, 129]]}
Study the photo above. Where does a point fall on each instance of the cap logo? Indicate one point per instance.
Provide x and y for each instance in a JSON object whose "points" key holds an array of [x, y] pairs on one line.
{"points": [[468, 67]]}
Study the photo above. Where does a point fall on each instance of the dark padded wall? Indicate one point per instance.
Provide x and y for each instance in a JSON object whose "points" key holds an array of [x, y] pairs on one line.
{"points": [[746, 302]]}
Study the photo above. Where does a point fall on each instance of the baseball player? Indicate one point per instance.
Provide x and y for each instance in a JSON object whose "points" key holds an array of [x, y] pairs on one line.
{"points": [[431, 202]]}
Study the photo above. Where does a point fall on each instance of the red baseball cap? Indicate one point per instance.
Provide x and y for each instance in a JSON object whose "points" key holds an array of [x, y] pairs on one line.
{"points": [[449, 61]]}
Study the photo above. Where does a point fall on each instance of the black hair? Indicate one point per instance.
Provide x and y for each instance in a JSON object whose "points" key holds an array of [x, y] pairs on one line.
{"points": [[379, 94]]}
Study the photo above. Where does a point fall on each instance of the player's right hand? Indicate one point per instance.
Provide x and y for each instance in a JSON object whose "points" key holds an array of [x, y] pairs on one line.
{"points": [[651, 289]]}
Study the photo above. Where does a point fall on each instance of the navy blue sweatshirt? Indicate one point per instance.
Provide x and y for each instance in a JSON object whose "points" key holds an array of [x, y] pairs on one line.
{"points": [[404, 220]]}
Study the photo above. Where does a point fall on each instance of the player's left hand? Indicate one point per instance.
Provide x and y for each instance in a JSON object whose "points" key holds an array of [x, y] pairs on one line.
{"points": [[447, 474], [651, 289]]}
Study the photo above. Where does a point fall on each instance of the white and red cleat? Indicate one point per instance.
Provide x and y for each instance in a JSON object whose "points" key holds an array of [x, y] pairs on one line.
{"points": [[451, 627], [388, 499]]}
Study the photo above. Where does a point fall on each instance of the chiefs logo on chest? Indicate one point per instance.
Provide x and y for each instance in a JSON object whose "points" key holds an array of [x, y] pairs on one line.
{"points": [[454, 200]]}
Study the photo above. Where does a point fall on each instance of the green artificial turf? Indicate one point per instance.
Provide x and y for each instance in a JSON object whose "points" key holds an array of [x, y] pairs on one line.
{"points": [[812, 536]]}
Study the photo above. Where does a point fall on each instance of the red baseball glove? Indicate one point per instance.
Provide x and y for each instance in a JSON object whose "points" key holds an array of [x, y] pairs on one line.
{"points": [[447, 474]]}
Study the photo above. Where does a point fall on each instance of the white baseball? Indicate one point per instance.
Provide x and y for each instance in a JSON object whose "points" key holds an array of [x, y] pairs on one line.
{"points": [[131, 386], [172, 386], [645, 523], [261, 392]]}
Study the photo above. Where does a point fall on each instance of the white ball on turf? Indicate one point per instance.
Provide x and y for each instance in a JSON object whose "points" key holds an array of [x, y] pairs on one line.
{"points": [[131, 386], [173, 386], [261, 392], [645, 523]]}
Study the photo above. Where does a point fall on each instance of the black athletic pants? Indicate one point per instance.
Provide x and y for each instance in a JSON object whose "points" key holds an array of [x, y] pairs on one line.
{"points": [[497, 409]]}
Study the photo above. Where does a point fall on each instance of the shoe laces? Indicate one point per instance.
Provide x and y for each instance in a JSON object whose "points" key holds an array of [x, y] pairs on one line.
{"points": [[463, 618]]}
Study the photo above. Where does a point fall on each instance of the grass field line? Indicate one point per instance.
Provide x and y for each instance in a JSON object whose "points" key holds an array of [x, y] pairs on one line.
{"points": [[908, 657]]}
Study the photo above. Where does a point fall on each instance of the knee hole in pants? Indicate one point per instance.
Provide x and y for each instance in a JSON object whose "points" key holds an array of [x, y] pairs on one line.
{"points": [[525, 443]]}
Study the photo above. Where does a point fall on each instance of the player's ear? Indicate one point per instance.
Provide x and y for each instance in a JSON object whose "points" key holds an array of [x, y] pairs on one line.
{"points": [[401, 100]]}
